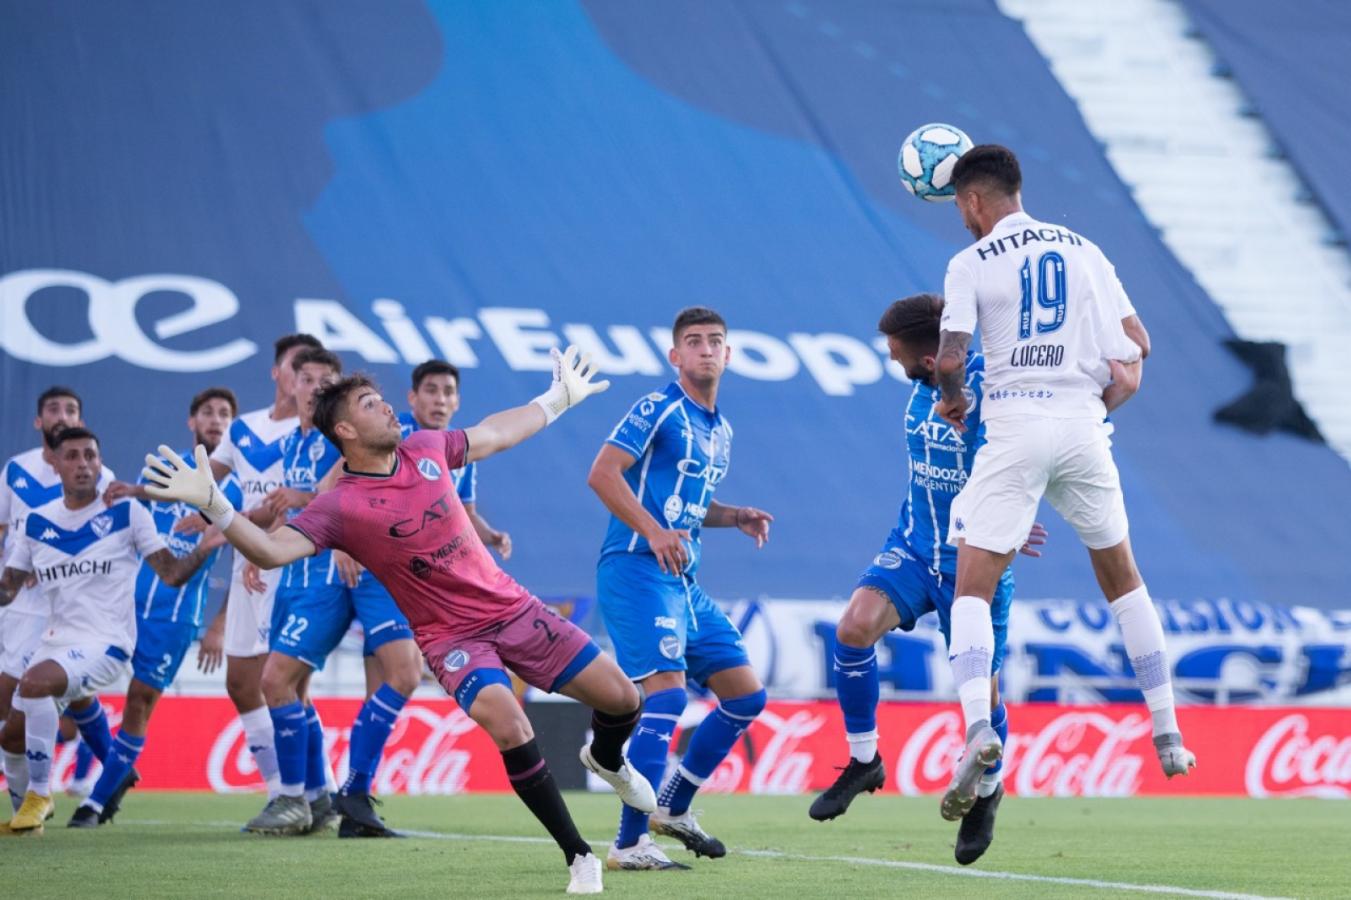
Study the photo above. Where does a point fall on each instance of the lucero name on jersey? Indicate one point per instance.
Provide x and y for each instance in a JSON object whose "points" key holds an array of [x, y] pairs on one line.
{"points": [[1019, 239], [1050, 355]]}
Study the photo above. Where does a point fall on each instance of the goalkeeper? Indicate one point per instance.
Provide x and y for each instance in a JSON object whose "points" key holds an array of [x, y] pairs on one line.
{"points": [[396, 511]]}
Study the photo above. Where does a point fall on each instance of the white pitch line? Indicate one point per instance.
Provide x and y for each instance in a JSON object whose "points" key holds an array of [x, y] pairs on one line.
{"points": [[853, 860]]}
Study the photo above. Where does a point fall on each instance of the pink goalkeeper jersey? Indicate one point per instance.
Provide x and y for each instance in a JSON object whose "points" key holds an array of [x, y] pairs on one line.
{"points": [[411, 530]]}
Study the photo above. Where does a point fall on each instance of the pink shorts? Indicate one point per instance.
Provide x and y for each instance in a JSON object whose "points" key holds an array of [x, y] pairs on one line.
{"points": [[542, 648]]}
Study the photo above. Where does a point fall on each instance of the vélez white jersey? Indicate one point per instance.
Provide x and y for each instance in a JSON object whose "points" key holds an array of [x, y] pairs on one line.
{"points": [[1049, 306], [86, 562], [252, 449], [27, 482]]}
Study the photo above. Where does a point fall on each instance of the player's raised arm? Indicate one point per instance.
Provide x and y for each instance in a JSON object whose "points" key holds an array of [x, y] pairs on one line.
{"points": [[171, 479], [571, 385]]}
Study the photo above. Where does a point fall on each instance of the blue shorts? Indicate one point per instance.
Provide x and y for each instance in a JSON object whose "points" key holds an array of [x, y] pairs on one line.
{"points": [[663, 623], [160, 648], [914, 589], [309, 623]]}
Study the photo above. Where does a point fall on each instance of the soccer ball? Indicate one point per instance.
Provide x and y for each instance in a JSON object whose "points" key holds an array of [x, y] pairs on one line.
{"points": [[927, 158]]}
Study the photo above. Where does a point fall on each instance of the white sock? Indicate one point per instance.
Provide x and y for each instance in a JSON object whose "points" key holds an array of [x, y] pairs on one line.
{"points": [[258, 733], [988, 783], [863, 747], [1142, 633], [41, 722], [16, 776], [970, 652]]}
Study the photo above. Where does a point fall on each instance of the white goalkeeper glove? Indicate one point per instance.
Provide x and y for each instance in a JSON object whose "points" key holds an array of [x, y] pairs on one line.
{"points": [[170, 478], [572, 383]]}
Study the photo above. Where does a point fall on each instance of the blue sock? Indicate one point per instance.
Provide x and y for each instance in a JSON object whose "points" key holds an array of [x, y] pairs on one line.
{"points": [[291, 735], [94, 729], [999, 721], [125, 750], [858, 689], [648, 747], [84, 759], [316, 764], [712, 741], [369, 733]]}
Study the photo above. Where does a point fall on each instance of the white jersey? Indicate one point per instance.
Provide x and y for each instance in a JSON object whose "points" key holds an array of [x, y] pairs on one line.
{"points": [[252, 449], [27, 482], [1049, 306], [86, 562]]}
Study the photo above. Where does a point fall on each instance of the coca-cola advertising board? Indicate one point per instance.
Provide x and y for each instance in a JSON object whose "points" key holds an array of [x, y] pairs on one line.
{"points": [[196, 743]]}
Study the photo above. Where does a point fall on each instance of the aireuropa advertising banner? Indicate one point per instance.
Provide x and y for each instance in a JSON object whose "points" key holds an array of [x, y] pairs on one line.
{"points": [[794, 748]]}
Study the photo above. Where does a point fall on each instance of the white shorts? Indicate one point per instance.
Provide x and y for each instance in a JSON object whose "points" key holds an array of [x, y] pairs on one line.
{"points": [[248, 617], [89, 667], [1068, 461], [20, 634]]}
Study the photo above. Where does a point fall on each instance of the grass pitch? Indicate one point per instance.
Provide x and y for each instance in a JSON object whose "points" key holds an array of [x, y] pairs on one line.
{"points": [[481, 846]]}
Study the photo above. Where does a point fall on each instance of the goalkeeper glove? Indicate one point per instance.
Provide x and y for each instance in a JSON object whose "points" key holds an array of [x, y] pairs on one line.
{"points": [[572, 383], [171, 479]]}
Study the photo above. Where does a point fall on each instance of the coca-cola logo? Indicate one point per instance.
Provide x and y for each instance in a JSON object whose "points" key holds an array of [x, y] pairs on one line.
{"points": [[778, 763], [1076, 754], [1288, 762]]}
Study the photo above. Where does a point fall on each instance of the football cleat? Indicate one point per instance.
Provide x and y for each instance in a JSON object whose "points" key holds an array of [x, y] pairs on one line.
{"points": [[643, 855], [685, 828], [585, 875], [983, 749], [633, 789], [114, 803], [853, 780], [359, 818], [1175, 758], [85, 817], [977, 830], [35, 811], [323, 814], [282, 815]]}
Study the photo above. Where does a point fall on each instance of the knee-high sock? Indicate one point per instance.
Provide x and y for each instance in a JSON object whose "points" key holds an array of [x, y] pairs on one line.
{"points": [[370, 731], [1142, 633], [93, 724], [712, 741], [291, 736], [999, 721], [258, 733], [534, 784], [125, 751], [84, 760], [16, 777], [858, 688], [41, 724], [318, 775], [648, 749], [608, 734], [970, 651]]}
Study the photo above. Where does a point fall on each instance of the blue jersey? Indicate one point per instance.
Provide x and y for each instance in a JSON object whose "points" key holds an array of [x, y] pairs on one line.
{"points": [[464, 478], [159, 602], [682, 451], [307, 456], [940, 462]]}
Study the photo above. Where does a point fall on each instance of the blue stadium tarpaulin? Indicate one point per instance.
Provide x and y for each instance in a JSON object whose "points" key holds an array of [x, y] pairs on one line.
{"points": [[181, 183], [1294, 61]]}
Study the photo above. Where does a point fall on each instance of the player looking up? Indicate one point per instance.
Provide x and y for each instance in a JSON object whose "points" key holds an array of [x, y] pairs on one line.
{"points": [[85, 556], [916, 570], [656, 473], [168, 616], [30, 480], [397, 512], [1063, 347]]}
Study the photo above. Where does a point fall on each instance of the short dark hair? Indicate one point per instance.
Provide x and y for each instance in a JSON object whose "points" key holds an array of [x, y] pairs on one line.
{"points": [[330, 403], [695, 315], [435, 367], [914, 320], [988, 162], [317, 355], [284, 344], [59, 390], [75, 434], [214, 393]]}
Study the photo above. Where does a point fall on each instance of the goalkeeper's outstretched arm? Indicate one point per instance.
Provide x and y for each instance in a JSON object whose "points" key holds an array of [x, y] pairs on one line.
{"points": [[169, 478]]}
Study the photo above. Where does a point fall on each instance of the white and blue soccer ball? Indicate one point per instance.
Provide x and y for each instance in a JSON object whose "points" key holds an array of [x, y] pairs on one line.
{"points": [[927, 159]]}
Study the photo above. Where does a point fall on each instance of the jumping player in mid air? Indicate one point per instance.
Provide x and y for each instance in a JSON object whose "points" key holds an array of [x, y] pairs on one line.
{"points": [[1063, 347], [397, 512], [916, 571]]}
